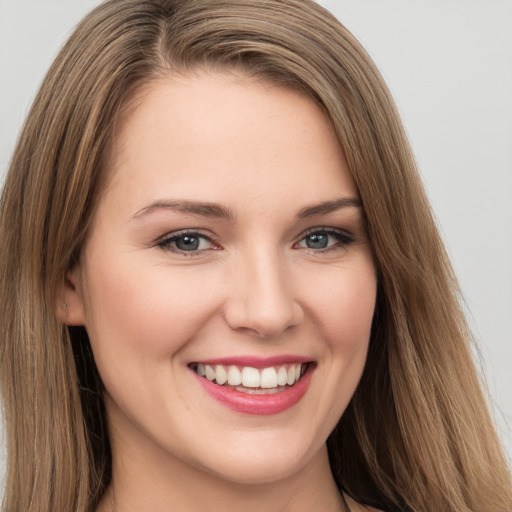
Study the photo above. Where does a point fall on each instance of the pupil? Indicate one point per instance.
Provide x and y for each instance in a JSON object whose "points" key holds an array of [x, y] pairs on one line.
{"points": [[187, 243], [317, 241]]}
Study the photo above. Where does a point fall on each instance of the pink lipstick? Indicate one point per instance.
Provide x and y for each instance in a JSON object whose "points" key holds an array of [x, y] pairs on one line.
{"points": [[251, 385]]}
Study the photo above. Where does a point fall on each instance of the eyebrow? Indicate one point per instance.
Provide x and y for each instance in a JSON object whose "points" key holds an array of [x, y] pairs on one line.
{"points": [[329, 206], [217, 211], [194, 207]]}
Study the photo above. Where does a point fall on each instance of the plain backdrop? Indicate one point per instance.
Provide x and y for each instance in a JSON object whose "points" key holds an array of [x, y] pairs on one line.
{"points": [[448, 64]]}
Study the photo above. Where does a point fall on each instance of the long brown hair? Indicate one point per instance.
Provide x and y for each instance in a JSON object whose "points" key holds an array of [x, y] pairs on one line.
{"points": [[417, 434]]}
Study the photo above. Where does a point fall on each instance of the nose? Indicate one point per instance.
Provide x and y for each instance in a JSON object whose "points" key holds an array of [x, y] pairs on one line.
{"points": [[261, 299]]}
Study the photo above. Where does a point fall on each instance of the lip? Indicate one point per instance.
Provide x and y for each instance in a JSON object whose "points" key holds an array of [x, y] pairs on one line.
{"points": [[267, 404]]}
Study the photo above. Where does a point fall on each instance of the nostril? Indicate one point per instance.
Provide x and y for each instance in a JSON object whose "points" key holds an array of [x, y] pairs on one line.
{"points": [[263, 324]]}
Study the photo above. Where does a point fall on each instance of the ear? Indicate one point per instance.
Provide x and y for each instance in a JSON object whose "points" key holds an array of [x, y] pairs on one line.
{"points": [[70, 298]]}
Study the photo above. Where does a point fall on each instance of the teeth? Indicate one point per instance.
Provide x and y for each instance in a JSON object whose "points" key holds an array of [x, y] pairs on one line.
{"points": [[290, 379], [268, 378], [209, 372], [297, 371], [221, 375], [249, 377], [234, 376], [282, 376]]}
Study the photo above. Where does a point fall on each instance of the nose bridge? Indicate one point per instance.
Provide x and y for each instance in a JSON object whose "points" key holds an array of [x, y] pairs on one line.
{"points": [[263, 299]]}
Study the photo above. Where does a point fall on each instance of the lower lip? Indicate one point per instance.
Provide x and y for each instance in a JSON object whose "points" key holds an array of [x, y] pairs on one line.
{"points": [[273, 403]]}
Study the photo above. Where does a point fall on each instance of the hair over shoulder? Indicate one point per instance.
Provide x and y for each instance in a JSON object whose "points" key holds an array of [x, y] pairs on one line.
{"points": [[417, 435]]}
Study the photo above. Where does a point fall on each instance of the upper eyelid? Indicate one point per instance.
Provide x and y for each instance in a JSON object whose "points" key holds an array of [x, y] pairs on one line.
{"points": [[325, 229], [181, 232]]}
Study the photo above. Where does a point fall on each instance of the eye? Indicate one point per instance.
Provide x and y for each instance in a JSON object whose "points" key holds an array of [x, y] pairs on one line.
{"points": [[323, 239], [187, 242]]}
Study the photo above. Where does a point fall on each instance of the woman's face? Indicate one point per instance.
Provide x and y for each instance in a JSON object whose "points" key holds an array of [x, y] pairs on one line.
{"points": [[228, 244]]}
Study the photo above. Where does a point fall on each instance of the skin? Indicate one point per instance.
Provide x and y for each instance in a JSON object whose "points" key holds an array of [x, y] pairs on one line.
{"points": [[253, 287]]}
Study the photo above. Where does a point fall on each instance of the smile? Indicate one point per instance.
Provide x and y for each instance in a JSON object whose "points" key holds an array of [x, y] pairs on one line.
{"points": [[247, 379], [256, 387]]}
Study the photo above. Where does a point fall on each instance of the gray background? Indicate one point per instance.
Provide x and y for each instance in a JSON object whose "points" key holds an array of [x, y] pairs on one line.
{"points": [[449, 66]]}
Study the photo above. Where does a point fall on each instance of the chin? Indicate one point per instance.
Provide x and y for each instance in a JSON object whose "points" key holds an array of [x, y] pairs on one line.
{"points": [[263, 463]]}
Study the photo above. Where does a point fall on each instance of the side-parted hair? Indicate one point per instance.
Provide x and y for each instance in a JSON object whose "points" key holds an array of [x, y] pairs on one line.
{"points": [[417, 435]]}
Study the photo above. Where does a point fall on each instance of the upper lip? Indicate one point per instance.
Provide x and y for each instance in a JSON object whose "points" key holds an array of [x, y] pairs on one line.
{"points": [[256, 361]]}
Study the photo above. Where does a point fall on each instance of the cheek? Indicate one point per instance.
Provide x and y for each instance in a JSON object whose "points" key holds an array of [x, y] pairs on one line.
{"points": [[145, 310], [345, 307], [342, 310]]}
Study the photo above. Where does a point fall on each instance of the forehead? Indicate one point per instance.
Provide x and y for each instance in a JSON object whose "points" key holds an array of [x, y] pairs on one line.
{"points": [[186, 132]]}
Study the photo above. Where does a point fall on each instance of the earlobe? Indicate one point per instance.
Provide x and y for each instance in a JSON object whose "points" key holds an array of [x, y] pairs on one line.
{"points": [[69, 299]]}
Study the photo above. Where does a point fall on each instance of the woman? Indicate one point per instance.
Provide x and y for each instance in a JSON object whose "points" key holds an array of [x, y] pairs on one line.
{"points": [[222, 283]]}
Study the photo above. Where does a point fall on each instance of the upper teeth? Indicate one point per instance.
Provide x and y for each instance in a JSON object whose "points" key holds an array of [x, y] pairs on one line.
{"points": [[250, 377]]}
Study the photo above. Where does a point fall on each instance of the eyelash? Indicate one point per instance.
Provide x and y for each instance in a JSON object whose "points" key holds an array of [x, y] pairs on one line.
{"points": [[166, 242], [343, 239]]}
